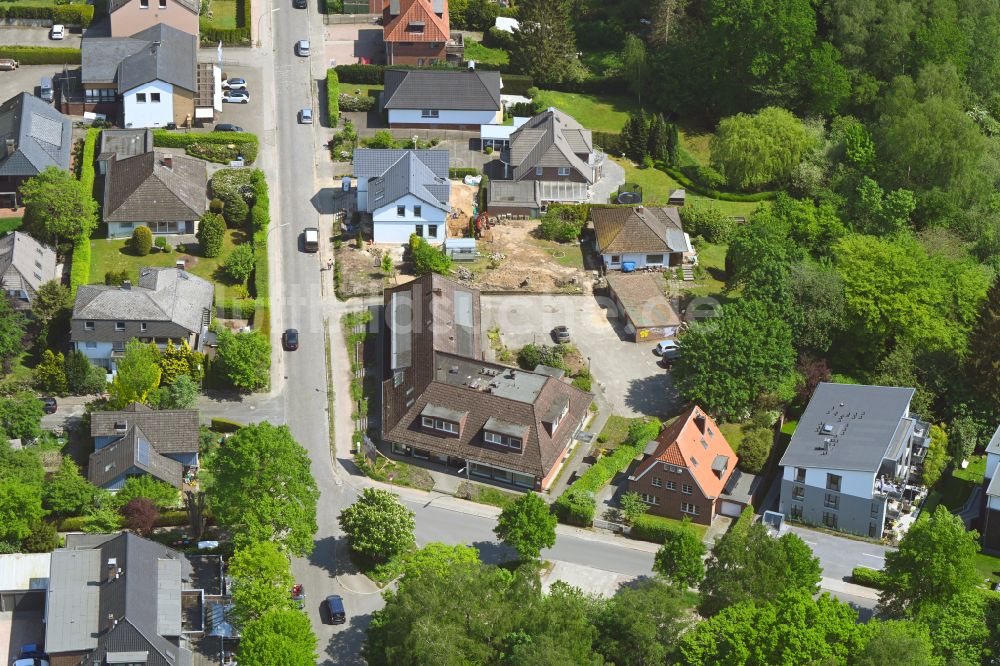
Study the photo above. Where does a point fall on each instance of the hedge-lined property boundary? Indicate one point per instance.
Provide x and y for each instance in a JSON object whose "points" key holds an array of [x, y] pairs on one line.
{"points": [[357, 73], [689, 184], [72, 15], [219, 147], [225, 425], [42, 55], [332, 97], [79, 272], [260, 219], [457, 173], [210, 35], [868, 577]]}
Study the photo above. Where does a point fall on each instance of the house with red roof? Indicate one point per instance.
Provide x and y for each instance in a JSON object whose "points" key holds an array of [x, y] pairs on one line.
{"points": [[416, 32], [690, 470]]}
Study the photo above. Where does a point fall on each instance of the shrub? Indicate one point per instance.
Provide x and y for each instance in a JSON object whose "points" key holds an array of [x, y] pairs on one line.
{"points": [[240, 262], [708, 222], [575, 507], [651, 528], [42, 539], [225, 425], [116, 278], [332, 97], [355, 102], [235, 211], [755, 449], [584, 381], [367, 74], [235, 308], [142, 241], [211, 232], [172, 519], [461, 172], [80, 271], [563, 223], [72, 524], [221, 147], [215, 206], [161, 244], [428, 259], [869, 577]]}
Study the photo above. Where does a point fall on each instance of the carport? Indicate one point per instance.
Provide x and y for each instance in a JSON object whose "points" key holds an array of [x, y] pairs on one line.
{"points": [[642, 305], [497, 137]]}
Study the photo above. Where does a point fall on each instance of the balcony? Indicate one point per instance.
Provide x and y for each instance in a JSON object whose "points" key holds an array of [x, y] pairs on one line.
{"points": [[455, 47]]}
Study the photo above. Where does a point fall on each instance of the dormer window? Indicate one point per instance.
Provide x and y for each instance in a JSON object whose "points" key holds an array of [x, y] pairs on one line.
{"points": [[442, 419], [504, 433], [416, 26], [555, 414]]}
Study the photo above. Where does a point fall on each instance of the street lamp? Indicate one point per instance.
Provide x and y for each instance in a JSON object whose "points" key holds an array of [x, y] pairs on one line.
{"points": [[268, 25]]}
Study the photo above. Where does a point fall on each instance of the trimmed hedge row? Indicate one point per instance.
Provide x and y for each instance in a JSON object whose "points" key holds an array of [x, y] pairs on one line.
{"points": [[517, 84], [225, 425], [869, 577], [609, 142], [689, 184], [79, 273], [42, 55], [652, 528], [358, 73], [461, 172], [260, 219], [210, 35], [78, 14], [236, 308], [175, 518], [221, 147], [332, 97]]}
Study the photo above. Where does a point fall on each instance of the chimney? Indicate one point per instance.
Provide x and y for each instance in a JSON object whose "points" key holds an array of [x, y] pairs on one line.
{"points": [[168, 161], [472, 65], [111, 621], [700, 421], [10, 147], [126, 284]]}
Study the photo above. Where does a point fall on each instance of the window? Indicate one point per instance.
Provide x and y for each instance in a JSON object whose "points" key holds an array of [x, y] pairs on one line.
{"points": [[91, 345], [689, 508], [154, 98], [502, 440], [654, 258], [800, 475], [163, 4], [657, 482], [144, 4], [446, 426], [798, 492], [417, 210], [419, 230], [427, 422], [140, 98], [649, 499], [397, 378], [831, 501], [671, 485], [420, 63], [88, 325], [830, 519], [686, 488], [796, 512], [539, 171], [833, 482], [119, 326], [432, 231], [38, 264], [400, 211], [142, 326], [430, 113], [875, 512], [616, 258], [563, 171], [704, 444]]}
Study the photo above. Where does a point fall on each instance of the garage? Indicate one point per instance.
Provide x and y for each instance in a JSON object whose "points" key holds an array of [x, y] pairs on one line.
{"points": [[732, 509], [646, 313]]}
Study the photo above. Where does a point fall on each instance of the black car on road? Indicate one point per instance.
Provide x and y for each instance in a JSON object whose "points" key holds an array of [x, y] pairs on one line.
{"points": [[290, 339]]}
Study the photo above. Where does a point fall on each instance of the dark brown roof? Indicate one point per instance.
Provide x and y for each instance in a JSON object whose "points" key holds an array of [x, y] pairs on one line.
{"points": [[134, 450], [641, 295], [638, 230], [143, 189], [168, 430]]}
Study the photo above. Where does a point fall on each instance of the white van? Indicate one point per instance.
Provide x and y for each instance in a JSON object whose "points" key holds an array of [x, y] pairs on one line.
{"points": [[310, 239], [45, 88]]}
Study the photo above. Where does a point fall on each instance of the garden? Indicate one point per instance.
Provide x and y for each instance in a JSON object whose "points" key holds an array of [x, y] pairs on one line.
{"points": [[119, 258]]}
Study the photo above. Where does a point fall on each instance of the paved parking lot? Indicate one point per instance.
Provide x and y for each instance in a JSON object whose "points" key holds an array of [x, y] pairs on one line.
{"points": [[24, 79], [247, 116], [19, 628], [30, 36], [634, 382], [347, 44]]}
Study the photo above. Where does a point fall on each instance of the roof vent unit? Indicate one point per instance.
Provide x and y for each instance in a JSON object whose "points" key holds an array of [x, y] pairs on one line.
{"points": [[827, 428], [453, 370]]}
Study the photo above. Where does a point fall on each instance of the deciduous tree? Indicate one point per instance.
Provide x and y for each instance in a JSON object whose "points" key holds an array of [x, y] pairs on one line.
{"points": [[21, 416], [181, 394], [52, 301], [50, 373], [82, 377], [11, 334], [138, 374], [759, 150], [262, 581], [140, 516], [245, 359], [20, 508], [67, 493], [263, 489], [240, 263], [378, 526], [527, 526], [680, 558], [897, 642], [641, 624], [438, 559], [937, 456], [984, 347], [56, 207], [160, 493], [278, 637]]}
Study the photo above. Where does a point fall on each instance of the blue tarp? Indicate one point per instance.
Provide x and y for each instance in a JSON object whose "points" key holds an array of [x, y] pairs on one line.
{"points": [[628, 267]]}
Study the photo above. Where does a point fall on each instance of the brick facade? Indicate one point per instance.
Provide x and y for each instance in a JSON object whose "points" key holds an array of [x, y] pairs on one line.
{"points": [[670, 500]]}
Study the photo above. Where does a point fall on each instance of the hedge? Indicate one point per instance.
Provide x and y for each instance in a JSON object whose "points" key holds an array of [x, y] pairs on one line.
{"points": [[575, 508], [79, 272], [78, 14], [211, 146], [42, 55], [652, 528], [368, 74], [236, 308], [72, 524], [609, 142], [462, 172], [869, 577], [689, 184], [517, 84], [260, 219], [225, 425], [80, 264], [332, 97]]}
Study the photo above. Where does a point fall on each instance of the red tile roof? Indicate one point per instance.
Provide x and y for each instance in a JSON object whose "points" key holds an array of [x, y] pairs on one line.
{"points": [[435, 27], [683, 443]]}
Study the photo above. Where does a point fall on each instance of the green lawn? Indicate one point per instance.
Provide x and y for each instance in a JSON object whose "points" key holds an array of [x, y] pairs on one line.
{"points": [[695, 144], [484, 54], [954, 487], [988, 567], [9, 224], [564, 254], [598, 113], [657, 186], [361, 89], [223, 15], [614, 431], [113, 255], [733, 432], [712, 258]]}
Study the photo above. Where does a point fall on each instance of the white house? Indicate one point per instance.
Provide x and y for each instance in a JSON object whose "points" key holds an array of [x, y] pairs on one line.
{"points": [[641, 237], [149, 105], [851, 456], [442, 98], [405, 191], [991, 482]]}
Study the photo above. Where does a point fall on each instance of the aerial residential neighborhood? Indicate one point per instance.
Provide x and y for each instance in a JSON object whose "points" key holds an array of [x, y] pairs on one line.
{"points": [[499, 332]]}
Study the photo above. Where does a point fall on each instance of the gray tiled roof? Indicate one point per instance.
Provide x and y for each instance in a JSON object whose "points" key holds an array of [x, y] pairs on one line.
{"points": [[409, 175], [160, 52], [463, 90], [82, 597], [143, 189], [373, 162], [513, 193], [125, 143], [864, 422], [163, 294], [168, 430], [24, 262], [190, 5], [994, 444], [134, 450], [550, 139], [41, 136], [638, 230]]}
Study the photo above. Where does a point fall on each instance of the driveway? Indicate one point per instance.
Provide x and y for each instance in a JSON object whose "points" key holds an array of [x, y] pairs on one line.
{"points": [[839, 555], [248, 116], [37, 36], [347, 44], [24, 79], [629, 373], [18, 628], [613, 177]]}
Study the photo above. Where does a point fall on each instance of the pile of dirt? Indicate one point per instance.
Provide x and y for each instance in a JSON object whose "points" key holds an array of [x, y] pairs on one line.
{"points": [[525, 266], [463, 198]]}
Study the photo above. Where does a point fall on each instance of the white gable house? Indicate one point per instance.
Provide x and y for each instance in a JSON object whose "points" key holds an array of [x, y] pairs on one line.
{"points": [[406, 192]]}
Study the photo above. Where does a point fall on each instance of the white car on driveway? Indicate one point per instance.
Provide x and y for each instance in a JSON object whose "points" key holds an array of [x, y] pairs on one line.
{"points": [[236, 96], [58, 31]]}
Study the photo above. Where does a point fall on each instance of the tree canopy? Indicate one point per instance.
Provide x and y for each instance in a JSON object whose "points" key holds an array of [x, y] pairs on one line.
{"points": [[527, 525], [378, 526], [57, 207], [244, 359]]}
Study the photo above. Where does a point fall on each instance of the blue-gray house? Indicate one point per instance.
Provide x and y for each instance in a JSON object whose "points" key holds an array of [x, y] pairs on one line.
{"points": [[138, 440]]}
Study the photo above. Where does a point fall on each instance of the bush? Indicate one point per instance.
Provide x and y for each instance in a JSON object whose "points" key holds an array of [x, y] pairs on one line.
{"points": [[142, 241], [42, 539], [72, 524], [428, 259], [79, 273], [461, 172], [240, 263], [367, 74], [651, 528], [116, 278], [869, 577], [584, 381], [215, 206], [177, 518], [260, 218], [161, 244], [563, 223], [356, 102], [225, 425], [332, 97], [708, 222], [755, 449], [575, 507], [235, 308], [211, 233], [221, 147]]}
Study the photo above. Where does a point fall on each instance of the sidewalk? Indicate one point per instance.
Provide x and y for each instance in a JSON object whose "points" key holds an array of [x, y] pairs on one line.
{"points": [[575, 465]]}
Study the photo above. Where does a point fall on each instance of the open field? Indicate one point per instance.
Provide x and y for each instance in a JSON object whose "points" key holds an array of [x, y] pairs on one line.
{"points": [[598, 113]]}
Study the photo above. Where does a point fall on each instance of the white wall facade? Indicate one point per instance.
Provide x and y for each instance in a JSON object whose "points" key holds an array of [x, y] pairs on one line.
{"points": [[852, 482], [99, 353], [638, 259], [992, 460], [362, 194], [149, 113], [392, 228], [445, 117]]}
